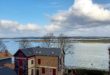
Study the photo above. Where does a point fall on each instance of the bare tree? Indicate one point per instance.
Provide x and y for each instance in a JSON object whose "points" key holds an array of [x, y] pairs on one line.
{"points": [[48, 40], [3, 49], [61, 42], [64, 44], [24, 43], [2, 46]]}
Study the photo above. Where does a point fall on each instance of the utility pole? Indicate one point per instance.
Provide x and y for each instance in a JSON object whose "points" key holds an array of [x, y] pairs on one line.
{"points": [[109, 61]]}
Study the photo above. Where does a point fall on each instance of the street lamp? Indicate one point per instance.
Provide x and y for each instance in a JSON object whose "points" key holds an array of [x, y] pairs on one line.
{"points": [[109, 60]]}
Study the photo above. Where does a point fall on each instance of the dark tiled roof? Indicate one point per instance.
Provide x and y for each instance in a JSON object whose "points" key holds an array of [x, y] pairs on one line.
{"points": [[5, 60], [41, 51], [7, 71]]}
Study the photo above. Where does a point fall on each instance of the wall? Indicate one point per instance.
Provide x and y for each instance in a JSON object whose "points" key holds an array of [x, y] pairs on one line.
{"points": [[31, 66], [29, 62], [47, 61]]}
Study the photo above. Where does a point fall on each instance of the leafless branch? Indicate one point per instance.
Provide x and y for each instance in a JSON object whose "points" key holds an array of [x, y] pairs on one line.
{"points": [[24, 43]]}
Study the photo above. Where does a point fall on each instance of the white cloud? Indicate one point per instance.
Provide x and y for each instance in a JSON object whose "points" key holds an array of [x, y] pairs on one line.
{"points": [[51, 28], [83, 14], [8, 24], [94, 11], [28, 27], [93, 31], [13, 28]]}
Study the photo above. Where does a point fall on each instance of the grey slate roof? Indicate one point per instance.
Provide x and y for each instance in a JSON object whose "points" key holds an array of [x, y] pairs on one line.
{"points": [[5, 60], [7, 71], [41, 51]]}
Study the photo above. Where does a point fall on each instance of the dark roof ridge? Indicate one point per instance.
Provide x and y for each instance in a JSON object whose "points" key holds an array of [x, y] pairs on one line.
{"points": [[41, 51], [40, 48]]}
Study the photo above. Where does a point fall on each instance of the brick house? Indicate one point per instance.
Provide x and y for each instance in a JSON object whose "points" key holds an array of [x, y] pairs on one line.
{"points": [[39, 61]]}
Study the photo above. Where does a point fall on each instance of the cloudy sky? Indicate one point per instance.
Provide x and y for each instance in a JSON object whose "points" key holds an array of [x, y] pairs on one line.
{"points": [[70, 17]]}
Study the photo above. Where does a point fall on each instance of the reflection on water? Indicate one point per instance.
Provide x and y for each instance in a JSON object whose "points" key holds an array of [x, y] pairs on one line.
{"points": [[88, 55]]}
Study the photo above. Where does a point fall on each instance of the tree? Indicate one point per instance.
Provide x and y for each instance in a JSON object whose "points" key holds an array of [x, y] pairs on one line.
{"points": [[48, 40], [3, 49], [2, 46], [24, 43], [64, 43]]}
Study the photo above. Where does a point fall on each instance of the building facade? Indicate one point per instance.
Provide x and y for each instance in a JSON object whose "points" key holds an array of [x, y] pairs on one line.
{"points": [[4, 61], [5, 58], [38, 61]]}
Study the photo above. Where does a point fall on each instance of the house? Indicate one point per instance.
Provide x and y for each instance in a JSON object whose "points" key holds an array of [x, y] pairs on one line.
{"points": [[4, 61], [5, 54], [5, 58], [38, 61], [7, 71]]}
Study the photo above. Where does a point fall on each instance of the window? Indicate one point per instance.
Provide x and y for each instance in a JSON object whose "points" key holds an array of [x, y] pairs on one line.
{"points": [[32, 61], [43, 70], [32, 72], [39, 61], [54, 71], [37, 72]]}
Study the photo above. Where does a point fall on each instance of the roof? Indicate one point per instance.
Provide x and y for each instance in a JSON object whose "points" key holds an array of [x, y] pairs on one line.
{"points": [[5, 55], [5, 58], [41, 51], [93, 56], [7, 71]]}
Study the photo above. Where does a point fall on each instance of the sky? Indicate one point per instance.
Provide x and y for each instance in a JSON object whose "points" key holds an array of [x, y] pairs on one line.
{"points": [[70, 17]]}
